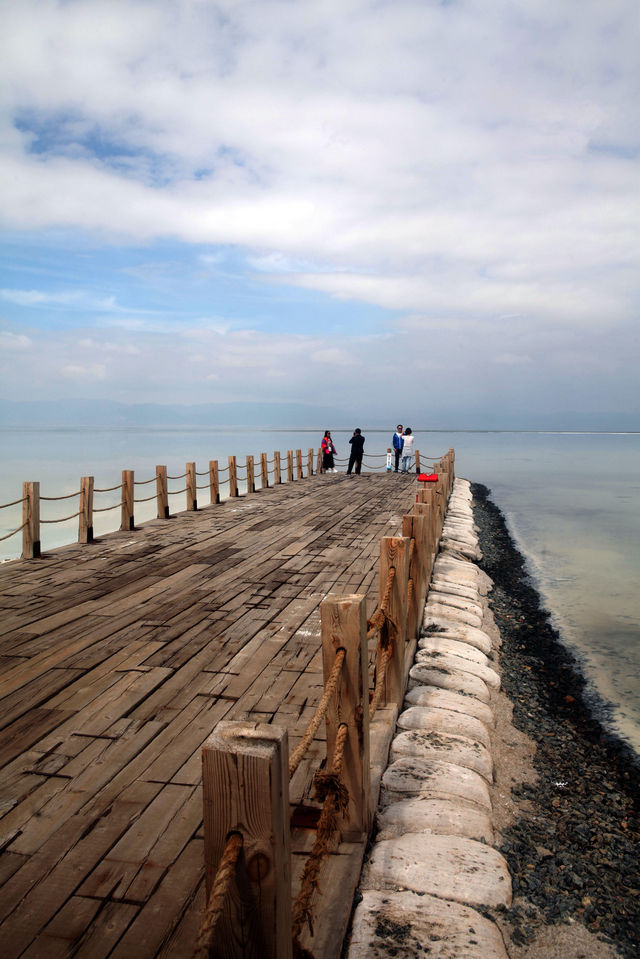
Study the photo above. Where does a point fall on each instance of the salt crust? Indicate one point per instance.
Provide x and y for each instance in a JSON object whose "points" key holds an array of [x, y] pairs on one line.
{"points": [[435, 719], [433, 779], [431, 696], [452, 867]]}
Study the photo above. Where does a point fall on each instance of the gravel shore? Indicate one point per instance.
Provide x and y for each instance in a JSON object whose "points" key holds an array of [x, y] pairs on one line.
{"points": [[572, 847]]}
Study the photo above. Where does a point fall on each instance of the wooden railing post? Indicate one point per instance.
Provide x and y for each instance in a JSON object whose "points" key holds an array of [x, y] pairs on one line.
{"points": [[214, 484], [344, 625], [319, 461], [417, 461], [414, 528], [31, 521], [245, 781], [290, 466], [299, 463], [128, 492], [85, 523], [310, 461], [264, 471], [425, 511], [192, 490], [162, 492], [251, 480], [233, 477], [394, 552], [277, 469]]}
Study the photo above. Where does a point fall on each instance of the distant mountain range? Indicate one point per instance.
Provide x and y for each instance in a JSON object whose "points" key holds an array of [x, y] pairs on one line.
{"points": [[105, 414]]}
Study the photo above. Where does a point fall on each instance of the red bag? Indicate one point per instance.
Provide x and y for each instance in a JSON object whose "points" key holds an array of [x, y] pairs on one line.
{"points": [[428, 478]]}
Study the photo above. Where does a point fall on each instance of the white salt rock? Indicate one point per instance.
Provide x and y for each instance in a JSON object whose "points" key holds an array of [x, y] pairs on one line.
{"points": [[458, 680], [446, 817], [443, 699], [436, 719], [458, 602], [401, 924], [451, 748], [470, 634], [436, 659], [411, 776], [450, 867], [452, 613], [435, 643], [444, 585]]}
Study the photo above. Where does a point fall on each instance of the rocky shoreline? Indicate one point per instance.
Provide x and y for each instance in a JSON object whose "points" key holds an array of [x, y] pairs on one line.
{"points": [[572, 848]]}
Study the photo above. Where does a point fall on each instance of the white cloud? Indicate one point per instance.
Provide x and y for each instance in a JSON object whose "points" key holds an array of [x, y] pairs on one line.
{"points": [[471, 166], [13, 341], [91, 371]]}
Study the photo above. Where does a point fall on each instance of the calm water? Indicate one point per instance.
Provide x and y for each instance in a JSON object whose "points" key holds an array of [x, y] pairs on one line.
{"points": [[572, 502]]}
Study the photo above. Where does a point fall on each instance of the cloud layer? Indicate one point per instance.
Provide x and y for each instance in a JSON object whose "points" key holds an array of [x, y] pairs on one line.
{"points": [[469, 168]]}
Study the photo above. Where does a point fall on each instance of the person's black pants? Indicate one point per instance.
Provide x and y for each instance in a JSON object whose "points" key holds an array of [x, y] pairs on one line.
{"points": [[355, 460], [398, 455]]}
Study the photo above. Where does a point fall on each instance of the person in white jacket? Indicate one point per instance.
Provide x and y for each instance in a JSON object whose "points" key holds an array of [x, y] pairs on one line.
{"points": [[407, 449]]}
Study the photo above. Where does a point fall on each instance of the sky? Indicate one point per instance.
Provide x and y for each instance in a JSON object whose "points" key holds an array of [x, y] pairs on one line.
{"points": [[375, 206]]}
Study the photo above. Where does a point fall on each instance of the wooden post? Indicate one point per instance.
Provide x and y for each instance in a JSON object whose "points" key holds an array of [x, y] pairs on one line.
{"points": [[310, 461], [425, 511], [344, 625], [251, 481], [290, 466], [162, 492], [245, 782], [85, 524], [128, 492], [264, 471], [319, 461], [214, 484], [233, 477], [31, 521], [277, 470], [192, 490], [394, 551], [417, 461], [414, 527], [299, 463]]}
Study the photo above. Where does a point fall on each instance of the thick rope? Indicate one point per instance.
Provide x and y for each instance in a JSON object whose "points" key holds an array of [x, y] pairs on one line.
{"points": [[381, 672], [107, 489], [219, 890], [9, 535], [62, 519], [181, 476], [16, 502], [329, 787], [382, 613], [54, 499], [146, 499], [105, 509], [296, 756]]}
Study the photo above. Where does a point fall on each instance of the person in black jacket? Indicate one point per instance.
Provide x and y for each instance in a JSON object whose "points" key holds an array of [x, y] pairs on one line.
{"points": [[357, 450]]}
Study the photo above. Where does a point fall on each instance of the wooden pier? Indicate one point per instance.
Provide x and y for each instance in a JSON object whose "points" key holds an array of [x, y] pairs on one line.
{"points": [[119, 658]]}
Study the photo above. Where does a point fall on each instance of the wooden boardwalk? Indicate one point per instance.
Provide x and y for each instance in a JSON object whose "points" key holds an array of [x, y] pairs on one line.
{"points": [[119, 659]]}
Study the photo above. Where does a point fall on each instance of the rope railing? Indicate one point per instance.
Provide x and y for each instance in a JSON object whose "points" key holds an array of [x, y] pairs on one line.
{"points": [[55, 499], [144, 482], [62, 519], [146, 499], [381, 672], [176, 492], [105, 509], [180, 476], [219, 891], [298, 754], [331, 789], [18, 530], [107, 489], [16, 502]]}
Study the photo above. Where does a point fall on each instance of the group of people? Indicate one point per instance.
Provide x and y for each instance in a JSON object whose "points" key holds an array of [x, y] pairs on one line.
{"points": [[402, 445]]}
